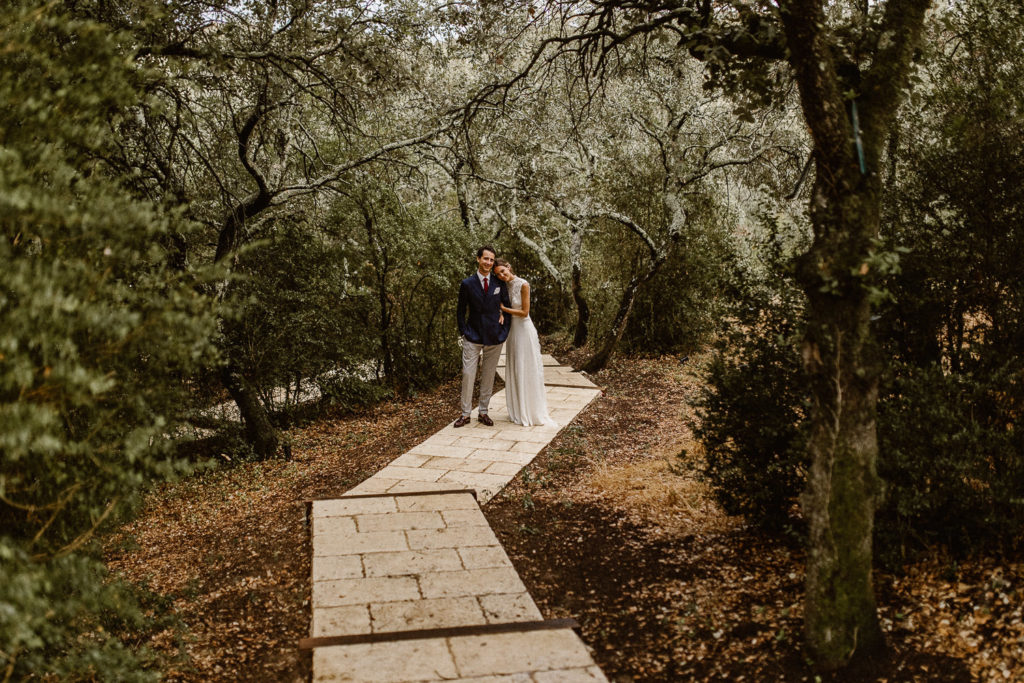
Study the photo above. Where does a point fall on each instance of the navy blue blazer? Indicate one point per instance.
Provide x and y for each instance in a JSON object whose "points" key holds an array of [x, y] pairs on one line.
{"points": [[478, 313]]}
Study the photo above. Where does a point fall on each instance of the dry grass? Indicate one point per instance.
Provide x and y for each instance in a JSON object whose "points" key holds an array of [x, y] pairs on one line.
{"points": [[654, 492]]}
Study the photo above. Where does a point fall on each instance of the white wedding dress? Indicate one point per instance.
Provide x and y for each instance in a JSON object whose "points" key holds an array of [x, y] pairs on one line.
{"points": [[524, 369]]}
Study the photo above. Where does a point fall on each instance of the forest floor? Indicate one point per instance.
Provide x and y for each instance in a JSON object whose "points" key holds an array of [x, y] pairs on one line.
{"points": [[608, 525]]}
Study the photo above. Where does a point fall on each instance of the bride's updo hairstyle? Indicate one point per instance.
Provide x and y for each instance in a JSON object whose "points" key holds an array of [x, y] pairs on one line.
{"points": [[502, 263]]}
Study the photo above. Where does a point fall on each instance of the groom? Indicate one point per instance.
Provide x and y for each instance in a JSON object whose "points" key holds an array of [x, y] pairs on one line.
{"points": [[483, 332]]}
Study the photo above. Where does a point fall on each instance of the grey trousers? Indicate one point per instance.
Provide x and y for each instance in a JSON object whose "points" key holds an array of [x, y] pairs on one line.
{"points": [[471, 354]]}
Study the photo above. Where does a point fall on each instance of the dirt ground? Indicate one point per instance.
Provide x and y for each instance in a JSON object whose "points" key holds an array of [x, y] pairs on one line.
{"points": [[607, 526]]}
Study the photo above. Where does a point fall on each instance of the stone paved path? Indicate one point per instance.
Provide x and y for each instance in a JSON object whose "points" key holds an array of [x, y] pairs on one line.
{"points": [[411, 584]]}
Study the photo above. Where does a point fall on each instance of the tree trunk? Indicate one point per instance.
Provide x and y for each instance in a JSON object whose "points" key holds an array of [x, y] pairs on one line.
{"points": [[600, 359], [658, 258], [579, 339], [258, 430], [460, 195], [843, 487], [382, 265], [840, 352]]}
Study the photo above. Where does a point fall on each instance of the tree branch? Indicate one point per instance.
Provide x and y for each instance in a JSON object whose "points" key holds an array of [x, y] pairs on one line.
{"points": [[883, 82]]}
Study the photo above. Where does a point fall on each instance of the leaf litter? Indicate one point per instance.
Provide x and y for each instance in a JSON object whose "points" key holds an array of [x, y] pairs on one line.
{"points": [[607, 526]]}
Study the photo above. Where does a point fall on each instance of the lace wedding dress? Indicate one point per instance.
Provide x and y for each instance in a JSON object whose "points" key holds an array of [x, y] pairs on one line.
{"points": [[524, 369]]}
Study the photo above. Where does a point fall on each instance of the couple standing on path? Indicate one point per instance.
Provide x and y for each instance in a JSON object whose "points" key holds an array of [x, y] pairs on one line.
{"points": [[494, 309]]}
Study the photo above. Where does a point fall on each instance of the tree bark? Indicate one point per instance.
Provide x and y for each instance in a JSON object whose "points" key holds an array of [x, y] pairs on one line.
{"points": [[382, 265], [843, 487], [658, 255], [579, 339], [258, 430], [600, 359], [840, 352], [460, 195]]}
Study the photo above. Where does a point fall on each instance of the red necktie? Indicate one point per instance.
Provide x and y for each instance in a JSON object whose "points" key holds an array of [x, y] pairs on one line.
{"points": [[485, 285]]}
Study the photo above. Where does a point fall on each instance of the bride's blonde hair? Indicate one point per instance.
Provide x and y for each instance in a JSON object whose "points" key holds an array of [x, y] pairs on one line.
{"points": [[502, 262]]}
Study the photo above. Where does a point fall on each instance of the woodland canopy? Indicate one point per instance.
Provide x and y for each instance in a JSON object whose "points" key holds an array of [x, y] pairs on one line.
{"points": [[208, 204]]}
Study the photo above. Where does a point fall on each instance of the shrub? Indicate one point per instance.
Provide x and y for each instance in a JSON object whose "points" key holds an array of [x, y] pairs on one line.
{"points": [[754, 402], [951, 459], [97, 333]]}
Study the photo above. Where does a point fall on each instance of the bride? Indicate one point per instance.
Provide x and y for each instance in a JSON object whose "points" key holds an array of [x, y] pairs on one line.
{"points": [[524, 376]]}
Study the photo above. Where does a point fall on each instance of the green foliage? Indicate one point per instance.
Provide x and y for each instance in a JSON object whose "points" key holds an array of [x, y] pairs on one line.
{"points": [[958, 199], [44, 603], [951, 395], [409, 261], [679, 310], [297, 308], [952, 451], [951, 458], [949, 449], [96, 336], [754, 403]]}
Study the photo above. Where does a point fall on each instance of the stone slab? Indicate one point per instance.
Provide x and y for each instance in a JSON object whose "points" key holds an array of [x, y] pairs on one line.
{"points": [[374, 484], [345, 620], [329, 543], [471, 582], [427, 613], [490, 442], [364, 591], [412, 562], [411, 485], [410, 459], [482, 557], [564, 378], [392, 662], [481, 481], [395, 563], [453, 518], [461, 464], [521, 457], [530, 447], [453, 537], [510, 653], [333, 525], [400, 521], [451, 501], [549, 656], [411, 473], [337, 567], [520, 435], [360, 506], [442, 450], [505, 469], [502, 609]]}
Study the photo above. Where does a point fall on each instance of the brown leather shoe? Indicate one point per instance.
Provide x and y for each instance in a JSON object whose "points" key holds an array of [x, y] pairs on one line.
{"points": [[486, 420], [462, 421]]}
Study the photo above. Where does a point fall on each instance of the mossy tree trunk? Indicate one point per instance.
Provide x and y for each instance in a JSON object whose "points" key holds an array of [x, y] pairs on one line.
{"points": [[849, 112], [259, 431], [842, 489]]}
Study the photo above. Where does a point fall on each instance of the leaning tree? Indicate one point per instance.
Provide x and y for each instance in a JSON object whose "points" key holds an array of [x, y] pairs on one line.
{"points": [[260, 111]]}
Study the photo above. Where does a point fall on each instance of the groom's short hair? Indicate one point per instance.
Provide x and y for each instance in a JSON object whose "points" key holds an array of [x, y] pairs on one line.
{"points": [[481, 250]]}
